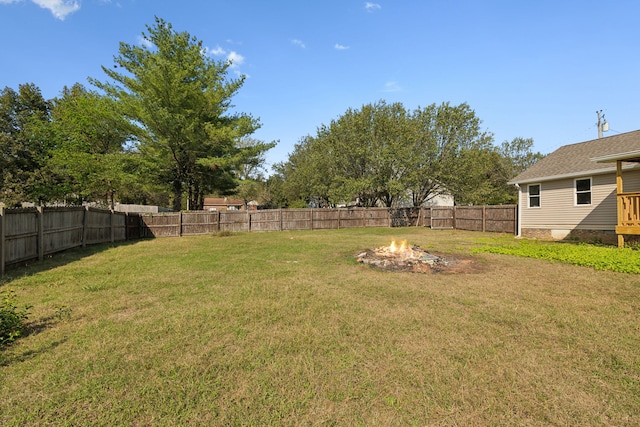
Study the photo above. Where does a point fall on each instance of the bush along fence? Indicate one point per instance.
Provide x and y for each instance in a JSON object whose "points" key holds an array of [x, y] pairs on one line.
{"points": [[33, 233]]}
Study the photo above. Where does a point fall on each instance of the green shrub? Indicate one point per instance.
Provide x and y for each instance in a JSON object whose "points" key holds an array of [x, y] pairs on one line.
{"points": [[12, 318]]}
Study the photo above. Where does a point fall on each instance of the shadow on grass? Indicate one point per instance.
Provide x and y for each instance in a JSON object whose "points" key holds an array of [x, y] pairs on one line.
{"points": [[9, 359], [59, 259], [30, 328]]}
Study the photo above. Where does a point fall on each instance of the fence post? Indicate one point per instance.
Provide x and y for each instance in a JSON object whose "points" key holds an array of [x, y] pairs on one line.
{"points": [[248, 219], [455, 215], [40, 220], [280, 214], [126, 226], [484, 218], [111, 226], [311, 213], [85, 226], [180, 224], [2, 241]]}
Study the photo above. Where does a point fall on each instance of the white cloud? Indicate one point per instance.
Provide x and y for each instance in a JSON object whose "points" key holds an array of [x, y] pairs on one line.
{"points": [[392, 86], [216, 51], [115, 3], [59, 8], [372, 7], [339, 46], [235, 59], [298, 43]]}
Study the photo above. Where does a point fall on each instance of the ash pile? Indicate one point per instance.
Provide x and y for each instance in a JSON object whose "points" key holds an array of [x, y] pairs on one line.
{"points": [[404, 258]]}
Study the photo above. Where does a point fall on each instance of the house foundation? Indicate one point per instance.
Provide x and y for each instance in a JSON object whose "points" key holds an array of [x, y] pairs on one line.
{"points": [[607, 237]]}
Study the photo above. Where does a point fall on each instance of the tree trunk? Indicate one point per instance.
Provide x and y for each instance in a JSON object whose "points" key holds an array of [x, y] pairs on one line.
{"points": [[196, 198], [201, 200], [177, 195]]}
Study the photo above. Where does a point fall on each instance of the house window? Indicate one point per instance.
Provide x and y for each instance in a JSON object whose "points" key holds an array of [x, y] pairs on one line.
{"points": [[534, 195], [583, 191]]}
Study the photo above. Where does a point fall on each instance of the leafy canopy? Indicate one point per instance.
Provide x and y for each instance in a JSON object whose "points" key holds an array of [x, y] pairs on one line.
{"points": [[24, 144], [384, 154], [180, 99], [91, 159]]}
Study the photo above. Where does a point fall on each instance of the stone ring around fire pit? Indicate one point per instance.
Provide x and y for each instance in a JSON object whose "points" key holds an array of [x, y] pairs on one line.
{"points": [[413, 259]]}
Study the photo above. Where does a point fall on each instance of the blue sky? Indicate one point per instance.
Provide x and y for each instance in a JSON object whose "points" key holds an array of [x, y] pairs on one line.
{"points": [[529, 68]]}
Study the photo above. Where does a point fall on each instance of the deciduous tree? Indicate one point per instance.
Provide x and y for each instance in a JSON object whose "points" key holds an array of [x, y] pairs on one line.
{"points": [[24, 145], [443, 137], [385, 154], [369, 153], [91, 156]]}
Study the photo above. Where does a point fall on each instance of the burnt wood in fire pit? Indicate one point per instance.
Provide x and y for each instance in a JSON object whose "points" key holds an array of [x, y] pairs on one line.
{"points": [[416, 260]]}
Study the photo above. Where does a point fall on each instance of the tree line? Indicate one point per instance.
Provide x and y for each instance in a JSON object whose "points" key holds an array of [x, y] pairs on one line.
{"points": [[161, 129], [384, 154]]}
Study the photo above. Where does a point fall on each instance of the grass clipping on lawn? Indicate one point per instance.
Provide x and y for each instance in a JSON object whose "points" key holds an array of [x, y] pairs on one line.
{"points": [[287, 328]]}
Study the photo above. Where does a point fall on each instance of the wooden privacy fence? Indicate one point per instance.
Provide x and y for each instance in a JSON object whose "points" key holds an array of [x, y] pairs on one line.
{"points": [[33, 233], [191, 223], [496, 219], [501, 219]]}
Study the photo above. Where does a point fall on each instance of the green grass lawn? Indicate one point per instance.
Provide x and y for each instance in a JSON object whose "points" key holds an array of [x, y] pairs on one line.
{"points": [[287, 328]]}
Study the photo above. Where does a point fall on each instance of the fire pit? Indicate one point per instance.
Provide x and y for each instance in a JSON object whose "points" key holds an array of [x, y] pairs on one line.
{"points": [[404, 257]]}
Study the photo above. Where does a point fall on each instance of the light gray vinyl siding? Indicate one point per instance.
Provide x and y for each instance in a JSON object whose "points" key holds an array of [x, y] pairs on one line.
{"points": [[631, 181], [558, 209]]}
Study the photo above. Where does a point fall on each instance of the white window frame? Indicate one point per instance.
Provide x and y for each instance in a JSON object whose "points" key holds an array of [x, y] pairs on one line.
{"points": [[576, 192], [539, 196]]}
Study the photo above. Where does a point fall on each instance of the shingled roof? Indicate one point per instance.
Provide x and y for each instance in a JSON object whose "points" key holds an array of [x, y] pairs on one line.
{"points": [[575, 160]]}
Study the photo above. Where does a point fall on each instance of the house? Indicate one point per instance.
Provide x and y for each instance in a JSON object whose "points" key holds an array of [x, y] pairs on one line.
{"points": [[577, 192], [440, 200], [225, 203], [122, 207]]}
